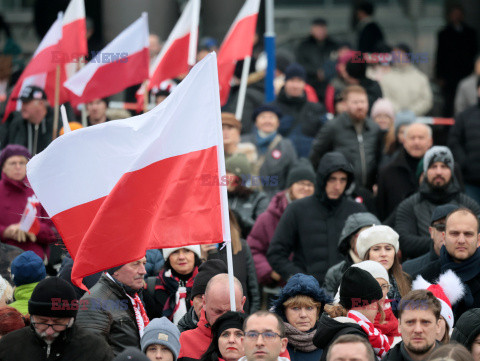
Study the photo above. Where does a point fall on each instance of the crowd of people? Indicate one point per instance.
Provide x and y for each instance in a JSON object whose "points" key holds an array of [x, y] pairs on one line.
{"points": [[354, 225]]}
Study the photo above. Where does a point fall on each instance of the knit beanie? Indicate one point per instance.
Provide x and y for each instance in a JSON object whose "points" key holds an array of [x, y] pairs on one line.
{"points": [[374, 268], [375, 235], [382, 106], [229, 119], [161, 331], [358, 288], [230, 319], [53, 297], [206, 271], [168, 251], [449, 290], [301, 171], [11, 150], [266, 108], [131, 354], [27, 268], [467, 328], [353, 224], [295, 70], [300, 284], [438, 153], [238, 164]]}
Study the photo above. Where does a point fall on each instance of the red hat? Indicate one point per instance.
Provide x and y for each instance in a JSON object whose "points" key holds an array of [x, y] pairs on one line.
{"points": [[449, 289]]}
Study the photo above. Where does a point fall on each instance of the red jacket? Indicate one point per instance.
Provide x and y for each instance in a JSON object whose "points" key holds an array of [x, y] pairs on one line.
{"points": [[13, 198]]}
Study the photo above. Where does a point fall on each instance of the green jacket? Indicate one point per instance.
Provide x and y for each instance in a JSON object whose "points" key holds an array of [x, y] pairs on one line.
{"points": [[22, 294]]}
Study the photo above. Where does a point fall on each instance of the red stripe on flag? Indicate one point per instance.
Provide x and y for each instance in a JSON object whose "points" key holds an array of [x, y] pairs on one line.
{"points": [[114, 77], [74, 39], [239, 43], [157, 202], [173, 63]]}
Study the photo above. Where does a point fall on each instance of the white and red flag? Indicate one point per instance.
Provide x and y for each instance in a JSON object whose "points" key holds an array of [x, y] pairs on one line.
{"points": [[237, 45], [29, 221], [74, 38], [119, 188], [122, 63], [41, 69], [178, 53]]}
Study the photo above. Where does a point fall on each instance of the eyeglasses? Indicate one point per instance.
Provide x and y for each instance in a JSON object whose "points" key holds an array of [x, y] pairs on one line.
{"points": [[440, 227], [386, 287], [57, 327], [267, 335]]}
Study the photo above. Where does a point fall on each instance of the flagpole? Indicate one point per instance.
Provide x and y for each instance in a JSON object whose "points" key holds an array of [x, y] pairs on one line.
{"points": [[57, 101], [243, 87], [192, 46], [146, 96], [269, 43]]}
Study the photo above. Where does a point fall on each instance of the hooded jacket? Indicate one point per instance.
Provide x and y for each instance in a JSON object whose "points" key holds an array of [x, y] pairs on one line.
{"points": [[74, 344], [310, 227], [329, 329], [414, 214], [353, 224], [22, 295], [262, 233], [467, 328]]}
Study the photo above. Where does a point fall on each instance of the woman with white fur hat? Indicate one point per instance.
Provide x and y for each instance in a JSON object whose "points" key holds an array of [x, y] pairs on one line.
{"points": [[174, 283], [380, 244], [449, 289]]}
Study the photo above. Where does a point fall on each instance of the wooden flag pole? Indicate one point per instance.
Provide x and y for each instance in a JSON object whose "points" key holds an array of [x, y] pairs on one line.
{"points": [[56, 110]]}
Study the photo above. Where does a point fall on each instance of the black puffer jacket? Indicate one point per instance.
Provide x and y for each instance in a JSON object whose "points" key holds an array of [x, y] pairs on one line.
{"points": [[467, 328], [463, 141], [74, 344], [188, 321], [329, 329], [362, 151], [310, 227], [109, 312], [414, 214]]}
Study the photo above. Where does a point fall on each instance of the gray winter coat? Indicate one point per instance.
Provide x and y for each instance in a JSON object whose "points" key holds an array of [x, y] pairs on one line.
{"points": [[362, 151]]}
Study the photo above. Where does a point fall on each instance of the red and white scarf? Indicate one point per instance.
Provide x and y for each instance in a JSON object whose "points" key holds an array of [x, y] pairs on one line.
{"points": [[140, 314], [377, 339]]}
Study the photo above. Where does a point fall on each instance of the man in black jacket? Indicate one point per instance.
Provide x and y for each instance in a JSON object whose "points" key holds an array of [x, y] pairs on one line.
{"points": [[461, 254], [53, 333], [354, 134], [113, 308], [439, 186], [418, 320], [398, 179], [310, 227], [436, 230]]}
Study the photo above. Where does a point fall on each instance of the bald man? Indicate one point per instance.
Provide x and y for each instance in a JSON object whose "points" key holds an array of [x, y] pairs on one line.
{"points": [[216, 301], [398, 179]]}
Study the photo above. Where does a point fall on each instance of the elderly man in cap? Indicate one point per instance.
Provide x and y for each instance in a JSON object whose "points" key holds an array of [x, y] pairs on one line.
{"points": [[33, 126], [113, 309], [436, 230], [53, 334], [439, 186]]}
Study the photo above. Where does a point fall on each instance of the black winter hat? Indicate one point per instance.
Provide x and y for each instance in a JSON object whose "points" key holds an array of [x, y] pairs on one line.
{"points": [[303, 170], [131, 354], [266, 108], [358, 288], [53, 297], [295, 70], [206, 271], [467, 328]]}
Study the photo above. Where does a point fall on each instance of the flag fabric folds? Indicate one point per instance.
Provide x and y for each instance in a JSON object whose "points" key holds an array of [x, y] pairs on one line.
{"points": [[237, 45], [122, 63], [116, 189]]}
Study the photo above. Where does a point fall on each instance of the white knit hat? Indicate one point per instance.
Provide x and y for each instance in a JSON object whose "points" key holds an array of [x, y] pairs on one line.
{"points": [[448, 290], [374, 268], [375, 235], [168, 251]]}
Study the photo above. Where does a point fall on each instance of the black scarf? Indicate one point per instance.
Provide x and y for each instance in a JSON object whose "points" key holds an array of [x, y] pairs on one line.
{"points": [[466, 270]]}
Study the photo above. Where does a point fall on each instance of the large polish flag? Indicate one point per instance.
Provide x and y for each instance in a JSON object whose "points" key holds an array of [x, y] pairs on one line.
{"points": [[74, 39], [119, 188], [41, 69], [237, 45], [122, 63]]}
